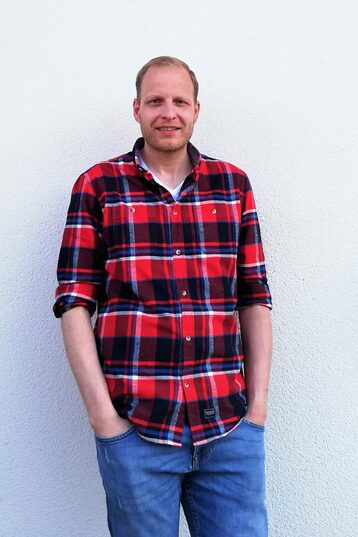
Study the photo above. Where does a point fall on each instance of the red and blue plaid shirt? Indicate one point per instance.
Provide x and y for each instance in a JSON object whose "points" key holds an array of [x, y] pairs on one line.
{"points": [[167, 278]]}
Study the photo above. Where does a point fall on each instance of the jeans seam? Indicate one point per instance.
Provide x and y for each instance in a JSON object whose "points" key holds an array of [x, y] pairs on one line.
{"points": [[193, 512]]}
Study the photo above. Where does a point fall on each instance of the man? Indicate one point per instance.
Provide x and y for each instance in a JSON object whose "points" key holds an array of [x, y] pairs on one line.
{"points": [[166, 242]]}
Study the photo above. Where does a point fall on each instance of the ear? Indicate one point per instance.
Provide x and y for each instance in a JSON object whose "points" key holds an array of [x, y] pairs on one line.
{"points": [[136, 106], [196, 110]]}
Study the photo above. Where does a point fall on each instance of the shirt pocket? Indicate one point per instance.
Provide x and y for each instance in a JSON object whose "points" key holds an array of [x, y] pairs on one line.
{"points": [[217, 226], [136, 245], [134, 230]]}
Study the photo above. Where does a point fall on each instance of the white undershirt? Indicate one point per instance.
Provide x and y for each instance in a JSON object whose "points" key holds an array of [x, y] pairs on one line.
{"points": [[174, 191]]}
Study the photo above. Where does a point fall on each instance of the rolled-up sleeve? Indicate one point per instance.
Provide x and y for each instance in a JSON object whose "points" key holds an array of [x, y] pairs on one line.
{"points": [[80, 266], [252, 281]]}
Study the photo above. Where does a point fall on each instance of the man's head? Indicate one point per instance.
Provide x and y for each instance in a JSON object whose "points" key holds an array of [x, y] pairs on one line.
{"points": [[166, 105], [165, 61]]}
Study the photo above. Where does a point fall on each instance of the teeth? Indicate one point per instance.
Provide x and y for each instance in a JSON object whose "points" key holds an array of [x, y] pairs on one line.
{"points": [[167, 128]]}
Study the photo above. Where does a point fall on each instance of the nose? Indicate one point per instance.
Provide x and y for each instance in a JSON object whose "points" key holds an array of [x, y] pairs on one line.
{"points": [[168, 110]]}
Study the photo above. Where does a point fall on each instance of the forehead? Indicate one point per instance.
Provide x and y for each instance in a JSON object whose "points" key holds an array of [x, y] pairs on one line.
{"points": [[167, 79]]}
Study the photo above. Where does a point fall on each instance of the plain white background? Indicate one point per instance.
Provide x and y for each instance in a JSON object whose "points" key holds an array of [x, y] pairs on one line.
{"points": [[278, 83]]}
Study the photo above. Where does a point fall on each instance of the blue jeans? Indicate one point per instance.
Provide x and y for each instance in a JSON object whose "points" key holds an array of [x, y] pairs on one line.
{"points": [[221, 484]]}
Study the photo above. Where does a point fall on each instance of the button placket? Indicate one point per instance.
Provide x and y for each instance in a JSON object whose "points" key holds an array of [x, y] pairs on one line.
{"points": [[175, 209], [178, 216], [176, 228], [189, 391]]}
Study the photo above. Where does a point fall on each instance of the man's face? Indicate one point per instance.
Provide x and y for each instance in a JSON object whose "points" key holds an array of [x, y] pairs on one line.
{"points": [[166, 110]]}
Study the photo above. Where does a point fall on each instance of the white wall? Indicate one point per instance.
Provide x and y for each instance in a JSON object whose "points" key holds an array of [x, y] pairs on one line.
{"points": [[278, 81]]}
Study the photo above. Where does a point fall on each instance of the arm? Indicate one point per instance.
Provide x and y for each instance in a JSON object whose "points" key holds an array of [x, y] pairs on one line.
{"points": [[255, 322], [80, 275], [83, 358], [254, 304]]}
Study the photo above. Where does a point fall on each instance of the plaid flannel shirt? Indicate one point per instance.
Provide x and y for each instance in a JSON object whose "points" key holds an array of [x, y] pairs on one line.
{"points": [[167, 278]]}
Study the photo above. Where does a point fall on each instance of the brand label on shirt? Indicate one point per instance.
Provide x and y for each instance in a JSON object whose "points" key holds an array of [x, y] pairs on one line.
{"points": [[209, 412]]}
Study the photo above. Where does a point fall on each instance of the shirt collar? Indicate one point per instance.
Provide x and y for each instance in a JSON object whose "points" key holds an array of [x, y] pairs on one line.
{"points": [[194, 155]]}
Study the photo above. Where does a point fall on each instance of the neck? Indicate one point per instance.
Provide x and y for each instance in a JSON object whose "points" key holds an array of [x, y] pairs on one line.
{"points": [[171, 167]]}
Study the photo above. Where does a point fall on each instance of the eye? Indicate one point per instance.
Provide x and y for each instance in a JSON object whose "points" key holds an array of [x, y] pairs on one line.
{"points": [[180, 102], [154, 101]]}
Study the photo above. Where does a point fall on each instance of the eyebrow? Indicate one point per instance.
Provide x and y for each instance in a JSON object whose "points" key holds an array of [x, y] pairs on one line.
{"points": [[155, 96]]}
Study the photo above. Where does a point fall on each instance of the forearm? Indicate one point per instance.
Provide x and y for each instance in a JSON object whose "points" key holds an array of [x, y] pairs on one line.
{"points": [[83, 358], [256, 331]]}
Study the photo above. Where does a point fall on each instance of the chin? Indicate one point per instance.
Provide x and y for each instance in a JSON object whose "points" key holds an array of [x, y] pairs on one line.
{"points": [[172, 145]]}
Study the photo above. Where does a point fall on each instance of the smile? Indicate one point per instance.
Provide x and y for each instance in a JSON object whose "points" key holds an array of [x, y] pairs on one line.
{"points": [[167, 128]]}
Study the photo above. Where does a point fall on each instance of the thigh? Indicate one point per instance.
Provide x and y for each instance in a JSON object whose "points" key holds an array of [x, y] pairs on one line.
{"points": [[141, 483], [225, 496]]}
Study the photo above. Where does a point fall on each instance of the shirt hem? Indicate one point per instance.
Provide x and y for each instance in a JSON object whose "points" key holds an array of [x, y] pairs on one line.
{"points": [[197, 443], [157, 441], [207, 440]]}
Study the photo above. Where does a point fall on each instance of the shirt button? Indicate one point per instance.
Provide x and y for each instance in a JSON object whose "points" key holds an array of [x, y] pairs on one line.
{"points": [[175, 212], [188, 338], [183, 293], [178, 252], [132, 210], [186, 384], [213, 211]]}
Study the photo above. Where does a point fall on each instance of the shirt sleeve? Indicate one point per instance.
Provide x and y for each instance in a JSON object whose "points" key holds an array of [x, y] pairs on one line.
{"points": [[80, 266], [252, 282]]}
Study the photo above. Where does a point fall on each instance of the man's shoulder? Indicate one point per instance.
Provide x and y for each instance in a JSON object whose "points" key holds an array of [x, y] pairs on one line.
{"points": [[221, 165], [112, 166], [104, 175]]}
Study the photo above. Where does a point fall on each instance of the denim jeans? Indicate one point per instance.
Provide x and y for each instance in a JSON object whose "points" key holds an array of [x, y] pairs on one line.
{"points": [[221, 484]]}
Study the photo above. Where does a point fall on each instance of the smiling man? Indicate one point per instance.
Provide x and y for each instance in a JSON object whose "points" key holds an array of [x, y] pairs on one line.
{"points": [[164, 242]]}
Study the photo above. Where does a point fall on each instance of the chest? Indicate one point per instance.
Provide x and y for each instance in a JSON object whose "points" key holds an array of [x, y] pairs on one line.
{"points": [[191, 224]]}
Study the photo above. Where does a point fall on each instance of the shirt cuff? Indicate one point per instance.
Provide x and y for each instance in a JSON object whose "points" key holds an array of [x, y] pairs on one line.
{"points": [[255, 292], [75, 294]]}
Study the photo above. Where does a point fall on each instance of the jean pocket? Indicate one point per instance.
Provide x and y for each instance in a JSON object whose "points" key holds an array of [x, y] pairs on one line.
{"points": [[116, 438], [254, 425]]}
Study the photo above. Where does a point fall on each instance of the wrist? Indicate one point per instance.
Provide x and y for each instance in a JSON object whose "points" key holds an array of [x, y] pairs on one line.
{"points": [[103, 416], [256, 417], [111, 426], [257, 410]]}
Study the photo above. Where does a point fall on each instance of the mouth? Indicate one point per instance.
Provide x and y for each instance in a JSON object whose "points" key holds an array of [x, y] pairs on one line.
{"points": [[167, 129]]}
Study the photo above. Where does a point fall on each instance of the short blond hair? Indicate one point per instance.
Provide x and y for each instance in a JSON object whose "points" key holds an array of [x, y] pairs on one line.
{"points": [[162, 61]]}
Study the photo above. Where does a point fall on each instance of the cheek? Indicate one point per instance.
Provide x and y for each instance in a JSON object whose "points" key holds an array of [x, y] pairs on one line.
{"points": [[149, 119], [187, 119], [190, 118]]}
